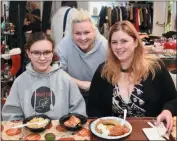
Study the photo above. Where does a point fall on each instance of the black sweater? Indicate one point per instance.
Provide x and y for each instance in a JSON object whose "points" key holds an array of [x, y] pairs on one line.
{"points": [[159, 94]]}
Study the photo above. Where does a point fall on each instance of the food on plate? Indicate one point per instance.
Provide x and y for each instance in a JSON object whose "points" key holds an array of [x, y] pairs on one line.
{"points": [[72, 122], [40, 122], [111, 127]]}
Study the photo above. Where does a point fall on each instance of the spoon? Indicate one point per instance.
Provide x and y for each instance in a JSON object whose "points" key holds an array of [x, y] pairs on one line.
{"points": [[125, 115], [37, 123]]}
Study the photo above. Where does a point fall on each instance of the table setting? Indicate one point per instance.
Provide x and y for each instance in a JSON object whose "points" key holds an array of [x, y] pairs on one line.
{"points": [[105, 128]]}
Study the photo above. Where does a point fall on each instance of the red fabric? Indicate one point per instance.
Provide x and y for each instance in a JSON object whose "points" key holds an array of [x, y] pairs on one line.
{"points": [[2, 49], [168, 45], [16, 64], [136, 22]]}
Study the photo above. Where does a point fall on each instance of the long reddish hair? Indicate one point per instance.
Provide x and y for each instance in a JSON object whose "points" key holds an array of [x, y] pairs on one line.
{"points": [[141, 64]]}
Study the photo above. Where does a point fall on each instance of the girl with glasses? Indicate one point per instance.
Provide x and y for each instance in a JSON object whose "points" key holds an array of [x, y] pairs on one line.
{"points": [[42, 88]]}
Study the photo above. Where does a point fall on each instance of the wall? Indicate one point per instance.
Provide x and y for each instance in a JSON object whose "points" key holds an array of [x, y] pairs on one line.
{"points": [[57, 4], [174, 16], [160, 16], [84, 5]]}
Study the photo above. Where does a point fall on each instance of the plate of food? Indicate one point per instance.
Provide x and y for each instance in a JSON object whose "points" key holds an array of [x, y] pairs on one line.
{"points": [[37, 123], [72, 121], [111, 128]]}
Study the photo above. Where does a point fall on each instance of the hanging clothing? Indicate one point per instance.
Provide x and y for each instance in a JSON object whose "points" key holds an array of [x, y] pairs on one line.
{"points": [[47, 6], [102, 16], [137, 19], [35, 21], [141, 17], [109, 9], [124, 13]]}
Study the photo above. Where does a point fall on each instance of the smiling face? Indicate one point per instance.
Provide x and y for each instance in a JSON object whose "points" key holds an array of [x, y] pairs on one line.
{"points": [[84, 35], [123, 46], [41, 54]]}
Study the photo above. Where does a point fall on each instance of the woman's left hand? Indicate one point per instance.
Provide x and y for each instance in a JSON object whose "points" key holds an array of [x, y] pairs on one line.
{"points": [[167, 116]]}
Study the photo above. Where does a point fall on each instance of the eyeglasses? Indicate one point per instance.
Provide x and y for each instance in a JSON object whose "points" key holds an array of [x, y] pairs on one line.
{"points": [[37, 54]]}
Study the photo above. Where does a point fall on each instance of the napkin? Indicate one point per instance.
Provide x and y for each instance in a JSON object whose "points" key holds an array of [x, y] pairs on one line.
{"points": [[152, 134]]}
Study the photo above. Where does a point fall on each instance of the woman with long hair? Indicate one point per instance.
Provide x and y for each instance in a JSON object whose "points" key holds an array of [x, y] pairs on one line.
{"points": [[130, 79]]}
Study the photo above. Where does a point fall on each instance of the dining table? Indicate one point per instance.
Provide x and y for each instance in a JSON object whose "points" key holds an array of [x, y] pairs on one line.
{"points": [[60, 133]]}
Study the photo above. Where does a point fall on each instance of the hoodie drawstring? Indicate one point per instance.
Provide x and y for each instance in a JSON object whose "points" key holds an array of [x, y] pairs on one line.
{"points": [[51, 99], [35, 103]]}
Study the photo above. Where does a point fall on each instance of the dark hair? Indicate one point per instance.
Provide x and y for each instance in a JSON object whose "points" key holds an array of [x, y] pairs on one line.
{"points": [[69, 3], [38, 36]]}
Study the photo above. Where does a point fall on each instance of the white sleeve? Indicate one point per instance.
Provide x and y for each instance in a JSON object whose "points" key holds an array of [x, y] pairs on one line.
{"points": [[71, 14]]}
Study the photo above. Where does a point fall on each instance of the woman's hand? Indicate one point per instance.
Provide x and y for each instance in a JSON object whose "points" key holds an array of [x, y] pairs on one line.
{"points": [[83, 85], [167, 116]]}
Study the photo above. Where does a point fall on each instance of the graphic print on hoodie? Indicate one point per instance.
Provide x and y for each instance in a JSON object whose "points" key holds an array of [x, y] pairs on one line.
{"points": [[43, 99], [54, 87]]}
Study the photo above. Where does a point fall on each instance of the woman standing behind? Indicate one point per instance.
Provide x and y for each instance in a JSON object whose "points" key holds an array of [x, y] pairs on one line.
{"points": [[131, 80], [61, 23], [42, 88], [32, 21]]}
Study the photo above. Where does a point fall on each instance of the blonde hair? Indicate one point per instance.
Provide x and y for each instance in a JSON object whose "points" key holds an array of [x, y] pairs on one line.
{"points": [[141, 64], [82, 15]]}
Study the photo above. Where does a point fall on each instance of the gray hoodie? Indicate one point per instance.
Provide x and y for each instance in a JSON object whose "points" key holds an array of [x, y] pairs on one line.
{"points": [[31, 94], [78, 64]]}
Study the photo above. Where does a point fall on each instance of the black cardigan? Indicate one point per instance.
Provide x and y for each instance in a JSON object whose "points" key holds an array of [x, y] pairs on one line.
{"points": [[159, 94]]}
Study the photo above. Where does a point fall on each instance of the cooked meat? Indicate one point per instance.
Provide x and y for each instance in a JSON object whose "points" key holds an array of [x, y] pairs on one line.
{"points": [[113, 126], [116, 130], [72, 122]]}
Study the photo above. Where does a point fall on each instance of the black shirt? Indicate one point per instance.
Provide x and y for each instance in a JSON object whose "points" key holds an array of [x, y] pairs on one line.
{"points": [[159, 94]]}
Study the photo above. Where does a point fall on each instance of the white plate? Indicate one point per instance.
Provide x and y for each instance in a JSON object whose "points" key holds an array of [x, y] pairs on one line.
{"points": [[93, 125]]}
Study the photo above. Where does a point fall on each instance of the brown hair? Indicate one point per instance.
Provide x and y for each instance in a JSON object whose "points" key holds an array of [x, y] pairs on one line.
{"points": [[141, 63], [38, 36]]}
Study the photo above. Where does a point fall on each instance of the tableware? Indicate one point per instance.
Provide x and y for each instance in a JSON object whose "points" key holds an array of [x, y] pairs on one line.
{"points": [[50, 137], [120, 120], [40, 129], [125, 115], [27, 124], [67, 117]]}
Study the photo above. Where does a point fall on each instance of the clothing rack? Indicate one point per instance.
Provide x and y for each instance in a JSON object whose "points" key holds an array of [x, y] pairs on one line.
{"points": [[120, 12], [140, 4]]}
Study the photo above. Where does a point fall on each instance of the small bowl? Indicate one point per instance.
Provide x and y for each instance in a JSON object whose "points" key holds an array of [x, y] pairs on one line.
{"points": [[37, 129], [66, 117]]}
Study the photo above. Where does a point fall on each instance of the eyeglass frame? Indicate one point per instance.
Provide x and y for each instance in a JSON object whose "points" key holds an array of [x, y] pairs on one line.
{"points": [[41, 53]]}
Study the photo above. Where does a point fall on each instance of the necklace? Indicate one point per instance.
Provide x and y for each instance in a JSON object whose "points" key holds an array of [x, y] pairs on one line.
{"points": [[124, 70]]}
